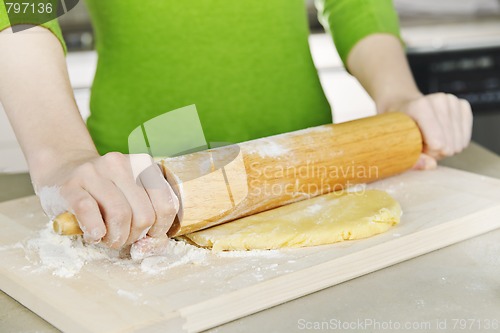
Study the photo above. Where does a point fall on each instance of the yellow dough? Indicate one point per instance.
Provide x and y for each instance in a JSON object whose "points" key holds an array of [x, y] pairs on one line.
{"points": [[326, 219]]}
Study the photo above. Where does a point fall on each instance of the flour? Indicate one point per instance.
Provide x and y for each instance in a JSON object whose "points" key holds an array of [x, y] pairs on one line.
{"points": [[252, 253], [267, 148], [157, 264], [128, 294], [65, 256], [177, 253], [313, 208], [181, 253], [11, 247], [356, 188]]}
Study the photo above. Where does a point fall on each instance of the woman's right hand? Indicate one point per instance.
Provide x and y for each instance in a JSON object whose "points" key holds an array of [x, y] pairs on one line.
{"points": [[116, 198]]}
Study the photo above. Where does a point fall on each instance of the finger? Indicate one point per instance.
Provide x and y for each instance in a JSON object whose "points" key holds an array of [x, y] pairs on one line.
{"points": [[115, 210], [440, 108], [467, 121], [419, 165], [425, 162], [455, 114], [433, 137], [143, 214], [86, 211], [149, 246], [163, 199], [120, 169]]}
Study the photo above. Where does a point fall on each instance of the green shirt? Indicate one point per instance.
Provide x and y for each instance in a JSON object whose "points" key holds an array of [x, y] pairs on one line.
{"points": [[246, 64]]}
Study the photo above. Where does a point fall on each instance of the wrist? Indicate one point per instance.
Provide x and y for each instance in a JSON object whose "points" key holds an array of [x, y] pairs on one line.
{"points": [[392, 102], [47, 163]]}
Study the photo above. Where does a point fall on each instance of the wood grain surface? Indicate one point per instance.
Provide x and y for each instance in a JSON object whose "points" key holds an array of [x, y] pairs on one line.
{"points": [[254, 176], [222, 184], [440, 207]]}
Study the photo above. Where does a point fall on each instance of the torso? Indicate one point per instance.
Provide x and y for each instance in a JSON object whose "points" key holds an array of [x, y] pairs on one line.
{"points": [[246, 65]]}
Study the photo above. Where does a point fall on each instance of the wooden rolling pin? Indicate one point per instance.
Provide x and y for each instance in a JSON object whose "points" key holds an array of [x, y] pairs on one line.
{"points": [[222, 184]]}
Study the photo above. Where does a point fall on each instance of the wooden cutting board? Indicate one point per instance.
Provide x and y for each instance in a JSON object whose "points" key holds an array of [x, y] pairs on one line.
{"points": [[440, 207]]}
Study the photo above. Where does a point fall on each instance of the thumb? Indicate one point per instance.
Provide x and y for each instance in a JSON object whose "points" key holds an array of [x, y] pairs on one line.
{"points": [[425, 162]]}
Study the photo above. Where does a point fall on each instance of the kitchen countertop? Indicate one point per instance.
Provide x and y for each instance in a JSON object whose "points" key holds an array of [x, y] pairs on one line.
{"points": [[438, 291]]}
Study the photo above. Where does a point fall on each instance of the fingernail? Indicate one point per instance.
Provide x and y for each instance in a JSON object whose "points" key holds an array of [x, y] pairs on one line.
{"points": [[144, 233], [91, 241], [419, 165], [158, 233]]}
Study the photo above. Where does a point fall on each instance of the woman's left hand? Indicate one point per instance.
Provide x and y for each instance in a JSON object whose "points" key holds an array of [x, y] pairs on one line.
{"points": [[445, 122]]}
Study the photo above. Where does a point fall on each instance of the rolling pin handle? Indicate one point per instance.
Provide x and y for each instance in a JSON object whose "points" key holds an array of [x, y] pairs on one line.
{"points": [[66, 224]]}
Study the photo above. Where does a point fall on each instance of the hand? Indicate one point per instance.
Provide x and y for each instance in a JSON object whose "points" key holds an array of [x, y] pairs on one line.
{"points": [[380, 64], [108, 201], [445, 122]]}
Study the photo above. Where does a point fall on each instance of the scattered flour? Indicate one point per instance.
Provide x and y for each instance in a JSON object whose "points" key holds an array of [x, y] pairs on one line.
{"points": [[66, 256], [11, 247], [253, 253], [267, 148], [314, 208], [129, 294], [178, 253], [356, 188]]}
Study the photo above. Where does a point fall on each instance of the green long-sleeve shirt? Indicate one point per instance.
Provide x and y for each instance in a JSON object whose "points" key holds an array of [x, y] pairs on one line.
{"points": [[246, 64]]}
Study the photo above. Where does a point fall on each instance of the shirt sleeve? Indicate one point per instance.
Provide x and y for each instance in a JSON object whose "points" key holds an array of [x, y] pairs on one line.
{"points": [[349, 21], [52, 25]]}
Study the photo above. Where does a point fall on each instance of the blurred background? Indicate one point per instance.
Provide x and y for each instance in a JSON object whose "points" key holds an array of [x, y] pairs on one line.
{"points": [[78, 30], [452, 45]]}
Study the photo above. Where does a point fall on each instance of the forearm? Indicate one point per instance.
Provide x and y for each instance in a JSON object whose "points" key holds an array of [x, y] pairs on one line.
{"points": [[37, 96], [380, 65], [445, 121]]}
